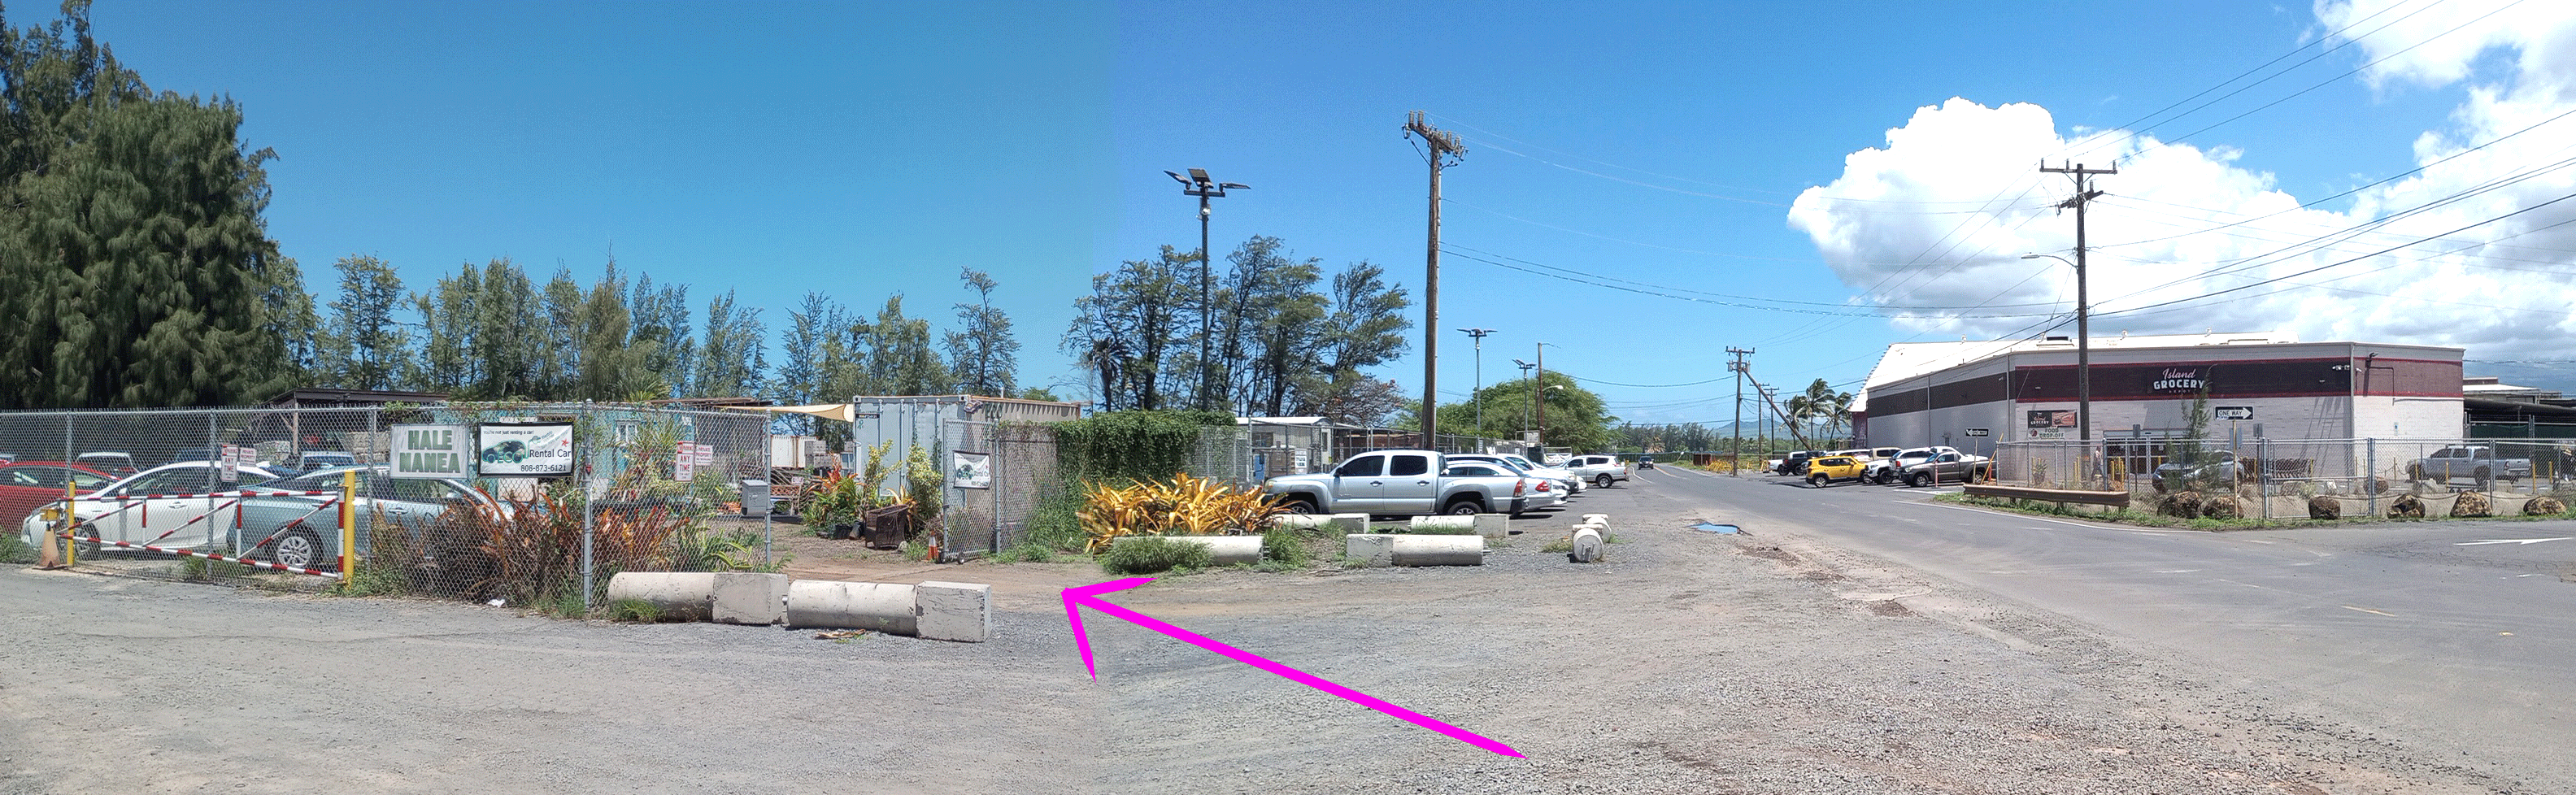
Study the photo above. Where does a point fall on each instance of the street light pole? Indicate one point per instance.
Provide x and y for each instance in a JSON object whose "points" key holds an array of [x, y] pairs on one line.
{"points": [[1198, 184], [1479, 394], [1525, 376]]}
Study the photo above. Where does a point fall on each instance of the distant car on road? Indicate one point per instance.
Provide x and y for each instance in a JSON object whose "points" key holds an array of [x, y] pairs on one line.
{"points": [[1598, 470], [1645, 462]]}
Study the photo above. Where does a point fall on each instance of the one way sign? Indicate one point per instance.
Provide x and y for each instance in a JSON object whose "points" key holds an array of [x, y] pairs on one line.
{"points": [[2234, 412]]}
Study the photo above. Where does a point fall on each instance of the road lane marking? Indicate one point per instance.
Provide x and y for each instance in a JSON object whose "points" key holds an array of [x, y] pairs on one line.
{"points": [[2370, 611], [2512, 541]]}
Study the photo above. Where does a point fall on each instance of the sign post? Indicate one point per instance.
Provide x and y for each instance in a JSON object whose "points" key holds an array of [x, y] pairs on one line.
{"points": [[1981, 433]]}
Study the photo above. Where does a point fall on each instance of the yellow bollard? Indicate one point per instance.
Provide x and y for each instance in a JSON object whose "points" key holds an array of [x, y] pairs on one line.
{"points": [[348, 522], [71, 548]]}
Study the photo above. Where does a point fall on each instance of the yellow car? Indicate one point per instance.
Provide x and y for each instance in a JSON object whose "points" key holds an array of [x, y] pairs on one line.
{"points": [[1824, 471]]}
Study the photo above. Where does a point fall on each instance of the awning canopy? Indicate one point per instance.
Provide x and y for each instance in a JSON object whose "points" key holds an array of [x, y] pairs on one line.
{"points": [[829, 411]]}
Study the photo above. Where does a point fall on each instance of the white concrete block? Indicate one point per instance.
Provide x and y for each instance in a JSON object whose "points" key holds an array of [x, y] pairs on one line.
{"points": [[1599, 518], [1335, 524], [1587, 546], [1222, 550], [835, 604], [743, 597], [1443, 524], [1427, 550], [684, 595], [1368, 550], [955, 610], [1493, 525]]}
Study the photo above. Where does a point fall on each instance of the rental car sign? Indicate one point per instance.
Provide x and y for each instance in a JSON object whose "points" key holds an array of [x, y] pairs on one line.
{"points": [[524, 449]]}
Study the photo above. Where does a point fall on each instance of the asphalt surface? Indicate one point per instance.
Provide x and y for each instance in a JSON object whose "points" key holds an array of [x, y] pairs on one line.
{"points": [[2456, 636]]}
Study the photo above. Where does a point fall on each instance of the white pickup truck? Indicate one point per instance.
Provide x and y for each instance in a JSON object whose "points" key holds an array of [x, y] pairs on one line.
{"points": [[1402, 483]]}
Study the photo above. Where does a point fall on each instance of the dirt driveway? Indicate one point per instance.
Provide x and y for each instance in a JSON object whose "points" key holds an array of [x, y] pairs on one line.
{"points": [[1689, 662]]}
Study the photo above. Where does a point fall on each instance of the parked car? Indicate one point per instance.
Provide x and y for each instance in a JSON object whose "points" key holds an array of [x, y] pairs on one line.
{"points": [[2475, 461], [26, 486], [1796, 463], [1884, 471], [1822, 472], [117, 464], [1947, 466], [301, 529], [179, 505], [1565, 481], [1391, 482], [1599, 470], [318, 460], [1505, 488]]}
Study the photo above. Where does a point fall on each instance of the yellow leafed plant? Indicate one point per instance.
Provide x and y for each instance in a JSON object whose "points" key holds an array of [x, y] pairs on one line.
{"points": [[1185, 506]]}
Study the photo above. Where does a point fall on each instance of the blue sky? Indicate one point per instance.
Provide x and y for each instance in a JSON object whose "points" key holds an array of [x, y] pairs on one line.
{"points": [[869, 149]]}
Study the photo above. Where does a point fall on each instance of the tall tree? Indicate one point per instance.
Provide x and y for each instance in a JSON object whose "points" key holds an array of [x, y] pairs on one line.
{"points": [[1366, 328], [1272, 324], [364, 347], [815, 319], [131, 236], [981, 352], [612, 368], [899, 359], [662, 333], [732, 362], [1129, 324]]}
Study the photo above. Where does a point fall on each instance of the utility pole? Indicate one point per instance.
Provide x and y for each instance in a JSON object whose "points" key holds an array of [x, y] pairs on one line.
{"points": [[1444, 149], [1735, 466], [2084, 194], [1538, 400], [1479, 394], [1198, 184]]}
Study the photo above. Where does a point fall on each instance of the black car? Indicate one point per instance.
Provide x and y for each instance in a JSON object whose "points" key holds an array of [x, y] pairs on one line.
{"points": [[1796, 463], [1647, 462]]}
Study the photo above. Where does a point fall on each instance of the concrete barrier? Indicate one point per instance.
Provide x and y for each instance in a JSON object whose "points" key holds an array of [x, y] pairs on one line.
{"points": [[1587, 545], [1222, 550], [834, 604], [955, 611], [1335, 524], [1596, 518], [684, 595], [1443, 525], [743, 597], [1493, 525], [1380, 549]]}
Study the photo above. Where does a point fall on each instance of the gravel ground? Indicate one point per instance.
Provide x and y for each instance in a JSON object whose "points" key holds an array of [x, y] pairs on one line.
{"points": [[1687, 663]]}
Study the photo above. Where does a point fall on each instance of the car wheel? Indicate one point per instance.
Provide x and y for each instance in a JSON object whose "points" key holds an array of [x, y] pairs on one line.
{"points": [[1882, 478], [1817, 481], [1601, 480], [298, 549], [1914, 480], [1464, 508], [1297, 505], [89, 540]]}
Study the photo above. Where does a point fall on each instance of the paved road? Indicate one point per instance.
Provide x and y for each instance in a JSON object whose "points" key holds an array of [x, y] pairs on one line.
{"points": [[2454, 635]]}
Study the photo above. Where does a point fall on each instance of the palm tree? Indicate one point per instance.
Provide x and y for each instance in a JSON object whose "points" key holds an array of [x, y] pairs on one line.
{"points": [[1822, 404]]}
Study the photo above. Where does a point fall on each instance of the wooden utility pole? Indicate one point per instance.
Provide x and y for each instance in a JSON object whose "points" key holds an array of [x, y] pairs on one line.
{"points": [[1734, 466], [2084, 194], [1444, 150]]}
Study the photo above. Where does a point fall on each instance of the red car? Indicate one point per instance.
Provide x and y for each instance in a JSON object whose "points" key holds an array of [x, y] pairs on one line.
{"points": [[28, 485]]}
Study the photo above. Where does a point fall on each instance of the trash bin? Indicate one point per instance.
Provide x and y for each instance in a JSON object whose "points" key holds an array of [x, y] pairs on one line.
{"points": [[755, 497], [886, 527]]}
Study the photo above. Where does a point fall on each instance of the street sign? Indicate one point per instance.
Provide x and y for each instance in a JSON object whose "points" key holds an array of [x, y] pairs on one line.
{"points": [[2233, 412], [1976, 431]]}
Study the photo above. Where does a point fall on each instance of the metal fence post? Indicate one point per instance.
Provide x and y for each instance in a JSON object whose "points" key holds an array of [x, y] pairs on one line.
{"points": [[2370, 472], [2262, 474], [581, 483]]}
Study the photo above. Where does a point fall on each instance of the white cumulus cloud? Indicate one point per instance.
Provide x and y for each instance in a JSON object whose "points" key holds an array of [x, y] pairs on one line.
{"points": [[2477, 250]]}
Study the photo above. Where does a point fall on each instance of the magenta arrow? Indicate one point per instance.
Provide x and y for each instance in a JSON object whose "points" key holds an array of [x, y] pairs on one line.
{"points": [[1076, 598]]}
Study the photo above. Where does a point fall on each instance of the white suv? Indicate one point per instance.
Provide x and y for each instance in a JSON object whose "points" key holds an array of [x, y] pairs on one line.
{"points": [[1598, 470]]}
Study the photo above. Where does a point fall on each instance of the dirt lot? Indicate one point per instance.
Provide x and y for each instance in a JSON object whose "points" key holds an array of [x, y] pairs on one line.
{"points": [[1687, 663]]}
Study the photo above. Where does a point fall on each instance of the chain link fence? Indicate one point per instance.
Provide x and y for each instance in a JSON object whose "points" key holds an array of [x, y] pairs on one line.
{"points": [[2278, 476], [259, 496]]}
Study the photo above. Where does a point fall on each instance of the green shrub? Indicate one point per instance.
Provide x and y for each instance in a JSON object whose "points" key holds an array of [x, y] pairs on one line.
{"points": [[1284, 547], [15, 550], [635, 611], [1151, 555]]}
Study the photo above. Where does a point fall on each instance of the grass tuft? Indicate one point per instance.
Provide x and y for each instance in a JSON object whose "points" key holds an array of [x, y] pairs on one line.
{"points": [[1152, 556]]}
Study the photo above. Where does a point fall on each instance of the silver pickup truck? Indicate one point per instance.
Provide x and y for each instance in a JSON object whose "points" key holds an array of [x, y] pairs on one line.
{"points": [[1400, 483], [2473, 461]]}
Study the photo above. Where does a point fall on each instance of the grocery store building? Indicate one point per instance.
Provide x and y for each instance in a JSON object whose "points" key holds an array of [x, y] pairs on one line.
{"points": [[2144, 389]]}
